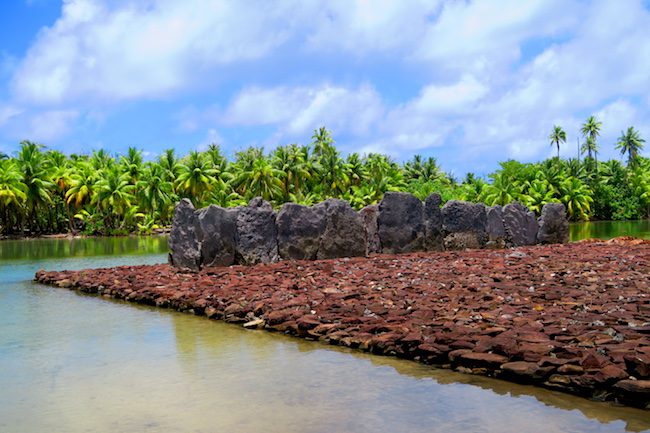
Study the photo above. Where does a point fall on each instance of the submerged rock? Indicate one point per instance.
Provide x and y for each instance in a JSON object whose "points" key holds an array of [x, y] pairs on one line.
{"points": [[184, 248], [553, 224], [400, 223], [345, 233], [299, 231], [257, 233]]}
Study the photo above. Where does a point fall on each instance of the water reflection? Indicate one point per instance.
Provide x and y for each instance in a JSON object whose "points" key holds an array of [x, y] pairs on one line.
{"points": [[39, 249], [396, 386], [609, 229], [77, 363]]}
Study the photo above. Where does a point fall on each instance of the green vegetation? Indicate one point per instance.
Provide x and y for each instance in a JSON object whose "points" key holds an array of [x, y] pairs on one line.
{"points": [[45, 191]]}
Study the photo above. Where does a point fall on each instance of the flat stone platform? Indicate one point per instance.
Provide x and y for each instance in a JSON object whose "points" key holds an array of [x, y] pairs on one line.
{"points": [[572, 317]]}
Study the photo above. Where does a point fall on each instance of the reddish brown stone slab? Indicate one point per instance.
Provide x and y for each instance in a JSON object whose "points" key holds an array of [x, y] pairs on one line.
{"points": [[573, 317]]}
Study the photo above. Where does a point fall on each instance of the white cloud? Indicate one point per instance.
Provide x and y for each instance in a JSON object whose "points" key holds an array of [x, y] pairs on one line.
{"points": [[144, 49], [486, 35], [212, 136], [50, 125], [299, 110], [492, 77], [458, 98], [365, 26], [7, 112]]}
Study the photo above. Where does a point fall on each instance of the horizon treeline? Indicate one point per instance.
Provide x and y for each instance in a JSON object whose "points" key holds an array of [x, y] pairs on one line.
{"points": [[45, 191]]}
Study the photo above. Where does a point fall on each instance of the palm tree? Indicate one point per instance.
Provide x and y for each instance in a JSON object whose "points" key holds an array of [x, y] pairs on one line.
{"points": [[114, 196], [82, 185], [413, 168], [473, 187], [170, 165], [215, 156], [591, 130], [155, 190], [639, 181], [12, 193], [354, 169], [3, 156], [576, 196], [557, 136], [573, 167], [132, 164], [261, 179], [196, 178], [501, 191], [101, 160], [539, 193], [32, 164], [630, 142], [322, 142], [289, 160], [332, 174]]}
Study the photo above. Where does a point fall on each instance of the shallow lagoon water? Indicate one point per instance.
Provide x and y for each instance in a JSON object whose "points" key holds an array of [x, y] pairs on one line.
{"points": [[78, 363], [609, 229]]}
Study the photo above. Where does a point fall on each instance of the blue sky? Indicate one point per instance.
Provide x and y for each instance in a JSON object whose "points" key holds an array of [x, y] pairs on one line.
{"points": [[469, 82]]}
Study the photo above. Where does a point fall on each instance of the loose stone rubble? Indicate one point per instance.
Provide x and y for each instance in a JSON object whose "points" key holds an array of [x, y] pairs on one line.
{"points": [[571, 317], [400, 223]]}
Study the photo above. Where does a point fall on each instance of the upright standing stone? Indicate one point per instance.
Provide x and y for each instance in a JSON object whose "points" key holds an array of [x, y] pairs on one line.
{"points": [[216, 235], [464, 225], [400, 223], [496, 231], [369, 215], [183, 240], [257, 234], [433, 236], [299, 231], [520, 224], [553, 224], [345, 234]]}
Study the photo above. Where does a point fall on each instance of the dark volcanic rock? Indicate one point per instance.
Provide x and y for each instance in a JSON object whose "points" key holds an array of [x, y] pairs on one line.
{"points": [[433, 237], [464, 240], [216, 235], [257, 234], [496, 231], [553, 224], [521, 224], [400, 223], [183, 239], [369, 215], [299, 231], [464, 225], [345, 233]]}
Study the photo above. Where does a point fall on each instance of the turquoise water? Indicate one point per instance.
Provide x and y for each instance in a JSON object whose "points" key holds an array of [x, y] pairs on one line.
{"points": [[75, 363]]}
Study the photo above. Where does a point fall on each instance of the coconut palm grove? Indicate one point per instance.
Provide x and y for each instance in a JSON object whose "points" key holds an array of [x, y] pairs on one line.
{"points": [[46, 191]]}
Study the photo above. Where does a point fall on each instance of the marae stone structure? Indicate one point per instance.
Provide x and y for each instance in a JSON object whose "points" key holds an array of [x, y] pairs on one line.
{"points": [[400, 223]]}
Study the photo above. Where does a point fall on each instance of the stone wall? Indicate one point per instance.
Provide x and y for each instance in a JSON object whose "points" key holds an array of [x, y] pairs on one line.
{"points": [[401, 223]]}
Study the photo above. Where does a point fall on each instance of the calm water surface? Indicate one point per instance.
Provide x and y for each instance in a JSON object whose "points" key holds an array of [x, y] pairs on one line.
{"points": [[610, 229], [75, 363]]}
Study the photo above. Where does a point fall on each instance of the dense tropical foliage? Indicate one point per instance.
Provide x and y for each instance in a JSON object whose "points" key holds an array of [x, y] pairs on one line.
{"points": [[45, 191]]}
